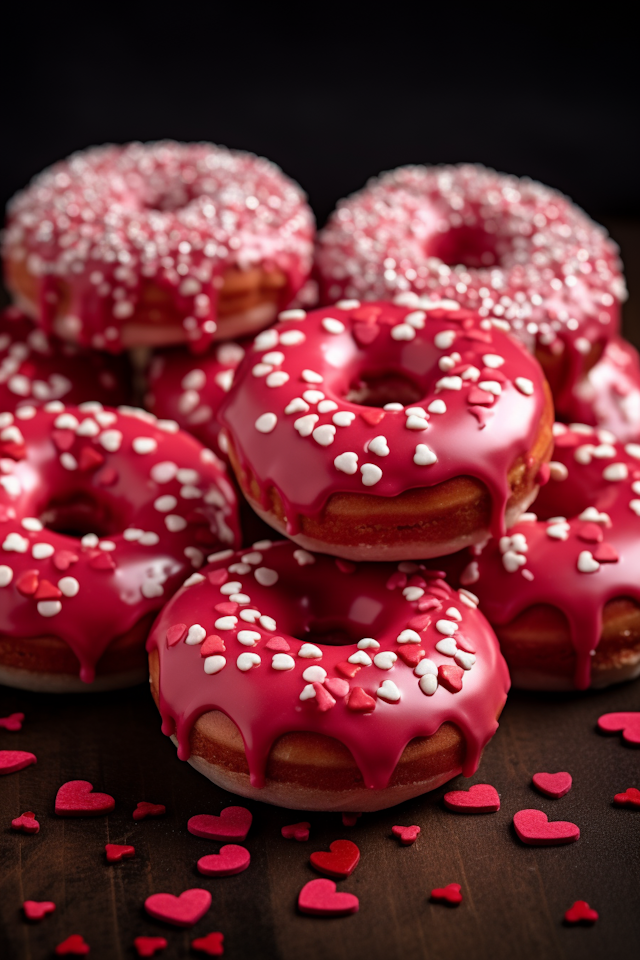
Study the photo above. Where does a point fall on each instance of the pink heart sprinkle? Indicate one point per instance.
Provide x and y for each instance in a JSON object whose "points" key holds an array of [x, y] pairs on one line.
{"points": [[76, 799], [118, 851], [211, 945], [534, 828], [37, 909], [337, 688], [296, 831], [182, 911], [450, 894], [176, 633], [231, 859], [320, 899], [554, 785], [406, 835], [145, 809], [149, 946], [13, 722], [26, 822], [232, 824], [628, 723], [480, 798], [13, 760], [279, 644], [580, 912], [75, 944]]}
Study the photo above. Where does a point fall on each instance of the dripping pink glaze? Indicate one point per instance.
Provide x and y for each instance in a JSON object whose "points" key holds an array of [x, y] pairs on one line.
{"points": [[190, 390], [482, 438], [178, 214], [35, 368], [110, 599], [361, 600], [512, 247], [552, 562]]}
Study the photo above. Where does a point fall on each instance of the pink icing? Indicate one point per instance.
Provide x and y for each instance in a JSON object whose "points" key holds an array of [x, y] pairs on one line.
{"points": [[159, 500], [286, 599], [177, 214], [478, 403], [595, 485], [513, 248]]}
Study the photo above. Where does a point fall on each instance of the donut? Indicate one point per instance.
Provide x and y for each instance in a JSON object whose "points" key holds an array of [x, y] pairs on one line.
{"points": [[510, 247], [160, 243], [103, 514], [319, 684], [375, 432], [609, 395], [562, 589], [190, 390], [35, 368]]}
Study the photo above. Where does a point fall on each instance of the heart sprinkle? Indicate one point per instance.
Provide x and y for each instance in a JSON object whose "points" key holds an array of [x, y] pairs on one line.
{"points": [[118, 851], [231, 859], [319, 898], [211, 944], [296, 831], [26, 822], [75, 945], [534, 828], [580, 912], [553, 785], [37, 909], [76, 799], [145, 809], [340, 862], [480, 798], [450, 895], [232, 824], [149, 946]]}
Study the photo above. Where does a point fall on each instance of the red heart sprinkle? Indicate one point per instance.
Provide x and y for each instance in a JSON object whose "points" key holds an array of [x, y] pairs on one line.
{"points": [[419, 622], [320, 899], [13, 722], [359, 701], [554, 785], [213, 644], [396, 580], [630, 798], [90, 459], [75, 944], [450, 894], [47, 591], [62, 559], [148, 946], [75, 799], [464, 643], [406, 835], [232, 824], [450, 677], [350, 819], [337, 687], [118, 851], [145, 809], [605, 553], [102, 561], [348, 669], [231, 859], [372, 416], [323, 699], [534, 828], [182, 911], [368, 312], [580, 912], [37, 909], [296, 831], [410, 654], [27, 823], [340, 862], [217, 577], [27, 583], [480, 798], [364, 334], [476, 395], [591, 533], [227, 608], [13, 760], [176, 633], [211, 944], [63, 439], [279, 644], [107, 477], [628, 723]]}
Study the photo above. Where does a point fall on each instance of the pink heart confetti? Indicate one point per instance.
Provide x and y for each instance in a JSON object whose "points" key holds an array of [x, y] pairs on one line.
{"points": [[339, 861], [182, 911], [145, 809], [630, 798], [118, 851], [149, 946], [534, 828], [553, 785], [296, 831], [37, 909], [26, 822], [450, 895], [11, 761], [320, 899], [231, 859], [627, 723], [13, 722], [76, 799], [480, 798], [232, 824], [74, 945], [580, 912], [406, 835], [211, 945]]}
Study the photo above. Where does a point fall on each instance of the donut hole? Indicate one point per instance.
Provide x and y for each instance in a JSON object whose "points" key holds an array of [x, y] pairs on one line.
{"points": [[79, 513], [467, 245], [379, 388], [329, 632]]}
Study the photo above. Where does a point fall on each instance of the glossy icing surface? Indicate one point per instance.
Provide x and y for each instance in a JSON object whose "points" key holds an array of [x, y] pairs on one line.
{"points": [[146, 501], [249, 639], [297, 422], [108, 218], [582, 552]]}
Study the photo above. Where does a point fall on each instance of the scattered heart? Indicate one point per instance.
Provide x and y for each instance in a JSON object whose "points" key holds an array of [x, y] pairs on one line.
{"points": [[26, 822], [553, 785], [74, 945], [231, 859], [630, 798], [450, 895], [149, 946], [232, 824], [211, 944], [13, 760], [350, 819], [480, 798], [320, 899], [13, 722], [37, 909], [580, 912], [118, 851], [626, 723], [76, 799], [181, 911], [145, 809], [340, 862], [296, 831], [534, 828], [406, 835]]}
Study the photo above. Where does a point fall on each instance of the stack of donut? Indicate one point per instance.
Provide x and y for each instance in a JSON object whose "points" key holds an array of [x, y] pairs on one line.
{"points": [[391, 444]]}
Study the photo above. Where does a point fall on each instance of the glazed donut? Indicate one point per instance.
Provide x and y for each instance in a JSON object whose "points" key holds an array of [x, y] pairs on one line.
{"points": [[563, 591], [103, 514], [35, 368], [319, 684], [377, 432], [191, 389], [609, 395], [161, 243], [508, 246]]}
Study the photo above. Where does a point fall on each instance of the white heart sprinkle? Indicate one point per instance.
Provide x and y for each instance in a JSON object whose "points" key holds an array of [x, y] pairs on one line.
{"points": [[275, 358], [464, 659], [247, 660], [313, 396], [512, 561], [214, 664], [347, 463], [426, 667], [412, 593], [333, 326], [424, 456], [90, 540], [327, 406], [305, 425], [635, 506], [310, 376], [231, 586], [144, 445], [428, 684], [403, 331], [308, 692], [446, 647], [40, 551], [297, 405], [437, 406], [325, 434], [445, 339], [265, 576], [388, 691], [371, 474], [361, 658], [368, 643], [174, 523], [166, 503], [266, 422], [303, 557], [261, 369], [615, 472], [267, 623], [314, 674], [68, 586], [248, 638], [49, 608], [310, 652], [379, 446], [343, 418], [453, 613], [633, 449], [88, 428], [557, 470], [196, 634], [447, 627], [587, 563], [163, 472], [110, 440], [249, 616], [592, 515], [385, 660], [492, 360], [66, 421], [277, 379], [408, 636], [449, 383], [416, 319], [6, 575], [282, 661], [416, 423], [291, 338], [524, 385], [558, 531], [491, 386], [225, 623]]}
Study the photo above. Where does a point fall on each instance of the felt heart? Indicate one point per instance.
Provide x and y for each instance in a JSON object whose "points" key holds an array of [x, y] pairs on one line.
{"points": [[580, 912], [406, 835], [75, 944], [13, 760], [630, 798], [232, 824], [350, 819], [320, 899], [145, 809], [75, 799], [628, 723], [26, 822], [231, 859], [118, 851], [480, 798], [211, 944], [149, 946], [12, 722], [533, 827], [37, 909], [554, 785], [296, 831], [182, 911], [340, 862], [450, 894]]}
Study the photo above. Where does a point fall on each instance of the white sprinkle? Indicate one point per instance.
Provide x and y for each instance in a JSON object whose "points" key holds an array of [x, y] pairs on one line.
{"points": [[247, 660], [428, 684], [616, 471], [437, 406], [40, 551], [344, 418], [447, 627], [310, 376], [426, 667], [88, 428], [275, 358], [416, 423], [633, 449], [249, 616], [512, 561], [449, 383], [408, 636], [558, 531], [163, 472], [305, 425], [378, 446], [277, 379], [66, 421], [49, 608], [385, 660], [325, 434], [107, 545], [193, 579], [333, 326], [297, 405], [591, 515], [314, 674], [557, 470], [491, 386], [174, 523], [348, 304], [283, 661], [635, 506], [464, 659], [267, 623], [149, 539], [292, 315], [392, 406], [303, 557], [151, 589], [110, 440], [266, 340], [445, 339], [265, 576], [371, 474], [291, 338], [388, 691], [327, 406], [221, 555], [261, 369], [310, 652], [313, 396], [308, 692], [231, 586], [361, 658], [524, 385], [89, 541], [347, 463], [196, 634], [68, 461], [412, 593], [144, 445], [166, 503], [225, 623], [214, 664], [403, 331], [471, 573], [416, 319], [446, 647], [368, 643], [424, 456], [492, 360], [32, 524], [6, 575], [248, 638], [266, 422], [587, 562]]}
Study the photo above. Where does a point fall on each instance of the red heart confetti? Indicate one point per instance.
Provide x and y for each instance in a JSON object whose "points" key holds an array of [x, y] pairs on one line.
{"points": [[26, 822], [145, 809], [76, 799], [450, 895], [75, 945], [13, 722], [296, 831], [119, 851], [605, 553], [406, 835], [630, 798], [37, 909], [149, 946], [350, 819], [212, 646], [231, 859], [580, 912], [349, 670], [182, 911], [411, 655], [62, 559], [232, 824], [340, 862], [450, 677], [371, 415], [90, 459], [176, 633], [554, 785], [13, 760], [627, 723], [320, 899], [534, 828], [480, 798], [211, 944]]}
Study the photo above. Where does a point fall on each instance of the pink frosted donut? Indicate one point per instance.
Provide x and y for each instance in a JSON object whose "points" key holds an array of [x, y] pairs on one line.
{"points": [[160, 243], [103, 514], [37, 368], [510, 247], [190, 390], [319, 684], [376, 432], [563, 591]]}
